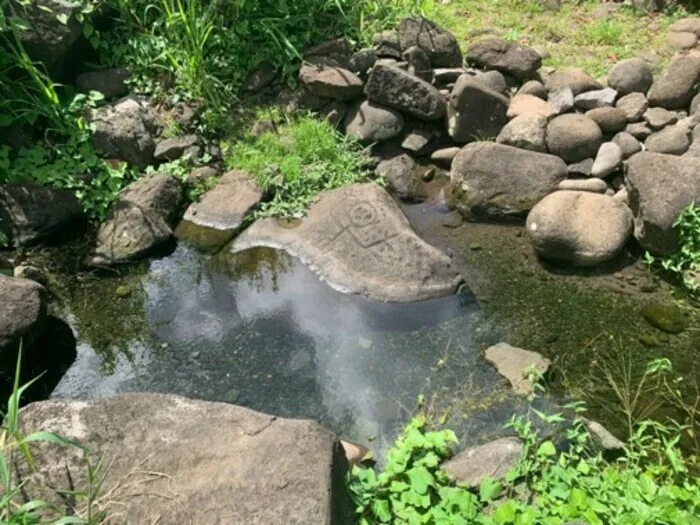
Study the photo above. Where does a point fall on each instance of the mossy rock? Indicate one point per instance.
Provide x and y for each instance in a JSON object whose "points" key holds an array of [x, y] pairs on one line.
{"points": [[666, 317]]}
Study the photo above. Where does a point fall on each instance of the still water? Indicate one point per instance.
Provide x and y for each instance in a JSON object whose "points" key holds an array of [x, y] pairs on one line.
{"points": [[260, 330]]}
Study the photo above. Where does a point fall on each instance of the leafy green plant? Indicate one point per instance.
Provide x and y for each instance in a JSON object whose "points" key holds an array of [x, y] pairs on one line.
{"points": [[686, 261], [296, 162]]}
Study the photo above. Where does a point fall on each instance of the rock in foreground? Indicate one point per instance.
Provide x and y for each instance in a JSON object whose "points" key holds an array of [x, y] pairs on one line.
{"points": [[493, 460], [217, 463], [358, 240], [578, 227]]}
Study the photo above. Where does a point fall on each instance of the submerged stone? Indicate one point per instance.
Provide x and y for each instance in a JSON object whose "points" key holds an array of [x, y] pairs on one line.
{"points": [[666, 317], [359, 241], [520, 367]]}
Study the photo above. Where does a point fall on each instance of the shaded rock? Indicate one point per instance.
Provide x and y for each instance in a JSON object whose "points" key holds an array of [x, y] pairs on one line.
{"points": [[334, 113], [638, 130], [582, 168], [574, 78], [527, 131], [672, 140], [47, 40], [633, 105], [593, 185], [494, 460], [439, 44], [299, 466], [517, 365], [499, 181], [201, 174], [27, 271], [445, 76], [139, 220], [337, 49], [682, 40], [110, 82], [301, 99], [608, 159], [573, 137], [417, 140], [23, 312], [386, 44], [659, 118], [633, 75], [174, 148], [402, 178], [609, 119], [660, 187], [665, 317], [595, 99], [363, 61], [400, 90], [444, 157], [30, 213], [228, 204], [534, 88], [580, 228], [523, 104], [125, 130], [475, 111], [602, 437], [331, 81], [506, 57], [622, 196], [358, 240], [561, 100], [418, 63], [260, 77], [492, 79], [354, 452], [677, 87], [370, 122], [627, 144], [686, 25]]}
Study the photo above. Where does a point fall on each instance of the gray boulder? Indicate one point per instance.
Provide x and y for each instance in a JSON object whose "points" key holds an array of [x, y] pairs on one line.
{"points": [[439, 44], [633, 105], [445, 76], [370, 122], [658, 118], [444, 157], [673, 140], [639, 130], [583, 168], [686, 25], [573, 137], [125, 131], [174, 148], [30, 213], [659, 187], [418, 63], [494, 460], [362, 62], [475, 111], [581, 228], [527, 131], [110, 82], [404, 92], [386, 44], [402, 178], [492, 79], [627, 144], [561, 99], [535, 88], [359, 241], [22, 316], [204, 456], [595, 99], [681, 40], [506, 57], [139, 220], [678, 85], [609, 119], [608, 159], [593, 184], [498, 181], [630, 76], [325, 80], [574, 78], [515, 364]]}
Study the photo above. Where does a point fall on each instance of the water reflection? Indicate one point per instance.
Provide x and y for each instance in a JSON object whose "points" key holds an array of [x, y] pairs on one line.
{"points": [[259, 329]]}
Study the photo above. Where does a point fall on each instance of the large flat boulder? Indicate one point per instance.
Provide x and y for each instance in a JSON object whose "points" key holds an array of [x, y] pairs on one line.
{"points": [[172, 461], [330, 81], [30, 213], [398, 89], [579, 227], [522, 368], [358, 240], [139, 220], [501, 181], [659, 188], [439, 44]]}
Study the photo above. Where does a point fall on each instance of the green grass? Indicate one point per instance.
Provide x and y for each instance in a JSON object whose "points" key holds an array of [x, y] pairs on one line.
{"points": [[301, 158], [574, 35]]}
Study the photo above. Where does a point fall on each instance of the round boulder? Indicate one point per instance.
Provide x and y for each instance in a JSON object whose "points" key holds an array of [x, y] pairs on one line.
{"points": [[578, 227], [573, 137], [673, 140], [574, 78], [370, 122], [630, 76], [610, 120], [526, 131]]}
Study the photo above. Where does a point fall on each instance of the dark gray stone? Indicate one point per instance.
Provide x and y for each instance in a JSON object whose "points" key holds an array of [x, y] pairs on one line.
{"points": [[573, 137], [110, 82], [260, 77], [439, 44], [402, 177], [23, 312], [370, 122], [475, 112], [678, 85], [535, 88], [172, 149], [630, 76], [627, 143], [506, 57], [639, 130], [331, 81]]}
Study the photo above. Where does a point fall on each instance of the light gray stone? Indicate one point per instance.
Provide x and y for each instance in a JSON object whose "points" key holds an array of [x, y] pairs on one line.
{"points": [[608, 159], [659, 118], [672, 140], [535, 88], [494, 460], [370, 122], [595, 99], [417, 140], [682, 40], [402, 177], [330, 81], [573, 137], [528, 131], [602, 437], [523, 104], [633, 105], [594, 185], [444, 157], [522, 368], [358, 240], [627, 143], [561, 100]]}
